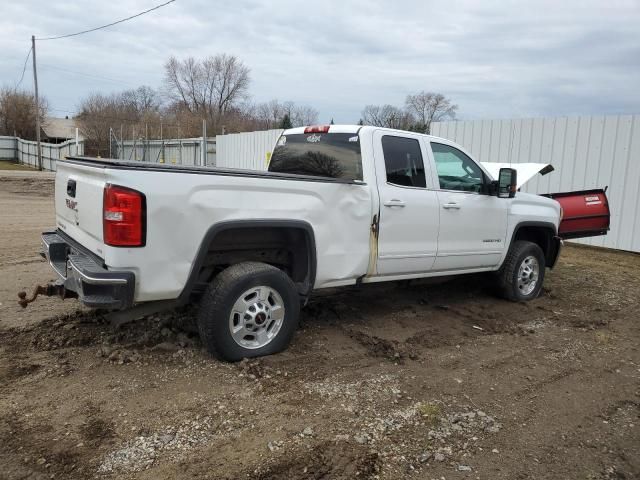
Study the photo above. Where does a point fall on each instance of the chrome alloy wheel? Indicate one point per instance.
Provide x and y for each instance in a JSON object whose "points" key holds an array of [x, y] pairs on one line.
{"points": [[528, 274], [256, 317]]}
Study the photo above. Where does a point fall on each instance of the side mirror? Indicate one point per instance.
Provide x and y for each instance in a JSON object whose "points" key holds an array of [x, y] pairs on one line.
{"points": [[507, 183]]}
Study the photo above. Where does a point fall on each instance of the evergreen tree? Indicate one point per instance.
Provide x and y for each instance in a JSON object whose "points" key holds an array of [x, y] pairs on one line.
{"points": [[285, 123]]}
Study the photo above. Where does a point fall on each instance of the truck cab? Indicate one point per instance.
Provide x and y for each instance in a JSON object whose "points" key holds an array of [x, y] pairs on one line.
{"points": [[435, 209]]}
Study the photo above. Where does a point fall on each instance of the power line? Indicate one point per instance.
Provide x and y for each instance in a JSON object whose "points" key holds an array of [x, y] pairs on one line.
{"points": [[24, 68], [108, 24], [88, 75]]}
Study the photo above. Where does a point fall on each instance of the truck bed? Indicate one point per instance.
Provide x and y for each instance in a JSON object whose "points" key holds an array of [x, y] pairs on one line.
{"points": [[183, 203], [159, 167]]}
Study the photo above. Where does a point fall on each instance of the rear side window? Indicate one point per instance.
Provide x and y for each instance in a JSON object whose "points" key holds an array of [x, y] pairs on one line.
{"points": [[333, 155], [403, 161]]}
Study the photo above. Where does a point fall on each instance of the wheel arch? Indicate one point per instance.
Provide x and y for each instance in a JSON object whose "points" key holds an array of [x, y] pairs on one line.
{"points": [[303, 253], [544, 234]]}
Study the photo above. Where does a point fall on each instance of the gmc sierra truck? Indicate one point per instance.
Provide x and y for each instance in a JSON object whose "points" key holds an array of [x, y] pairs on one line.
{"points": [[339, 205]]}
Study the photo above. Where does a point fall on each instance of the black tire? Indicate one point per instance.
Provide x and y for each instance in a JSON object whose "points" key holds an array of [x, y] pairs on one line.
{"points": [[508, 274], [221, 295]]}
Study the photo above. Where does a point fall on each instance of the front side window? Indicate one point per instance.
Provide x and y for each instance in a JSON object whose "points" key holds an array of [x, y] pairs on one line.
{"points": [[403, 161], [333, 155], [456, 171]]}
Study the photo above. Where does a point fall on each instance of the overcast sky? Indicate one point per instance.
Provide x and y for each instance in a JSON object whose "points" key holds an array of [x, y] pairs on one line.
{"points": [[494, 59]]}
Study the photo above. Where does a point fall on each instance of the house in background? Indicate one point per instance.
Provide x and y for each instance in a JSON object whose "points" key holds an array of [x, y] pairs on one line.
{"points": [[59, 130]]}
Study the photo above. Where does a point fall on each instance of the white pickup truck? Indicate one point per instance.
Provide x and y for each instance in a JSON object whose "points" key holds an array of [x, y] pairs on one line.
{"points": [[339, 205]]}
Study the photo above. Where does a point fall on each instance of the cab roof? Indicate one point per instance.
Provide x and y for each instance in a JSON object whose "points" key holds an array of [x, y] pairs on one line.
{"points": [[332, 129], [351, 129]]}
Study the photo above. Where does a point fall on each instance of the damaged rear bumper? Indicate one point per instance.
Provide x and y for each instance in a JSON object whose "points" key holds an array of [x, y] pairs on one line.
{"points": [[84, 273]]}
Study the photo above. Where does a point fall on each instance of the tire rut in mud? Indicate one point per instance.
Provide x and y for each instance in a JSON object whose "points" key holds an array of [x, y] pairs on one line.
{"points": [[324, 461]]}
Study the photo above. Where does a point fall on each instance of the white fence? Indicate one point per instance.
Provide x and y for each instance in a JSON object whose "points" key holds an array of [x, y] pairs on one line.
{"points": [[587, 152], [25, 151], [184, 151], [250, 150], [8, 148]]}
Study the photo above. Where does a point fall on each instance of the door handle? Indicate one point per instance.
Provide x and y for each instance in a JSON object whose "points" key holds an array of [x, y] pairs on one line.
{"points": [[451, 205], [394, 203]]}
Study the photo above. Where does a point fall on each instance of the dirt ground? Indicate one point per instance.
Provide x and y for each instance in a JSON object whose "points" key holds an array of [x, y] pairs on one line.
{"points": [[11, 165], [388, 381]]}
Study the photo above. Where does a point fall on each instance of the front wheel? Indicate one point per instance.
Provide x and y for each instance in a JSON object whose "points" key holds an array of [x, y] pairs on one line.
{"points": [[520, 277], [251, 309]]}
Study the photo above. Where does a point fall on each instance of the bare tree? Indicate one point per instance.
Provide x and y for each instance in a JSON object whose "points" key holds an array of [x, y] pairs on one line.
{"points": [[429, 107], [182, 83], [142, 101], [209, 88], [98, 113], [243, 118], [139, 110], [372, 115], [272, 113], [18, 113], [387, 116], [302, 115], [227, 78]]}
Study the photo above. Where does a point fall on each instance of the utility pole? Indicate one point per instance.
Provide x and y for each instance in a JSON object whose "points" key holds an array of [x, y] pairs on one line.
{"points": [[35, 84], [161, 152], [203, 144], [146, 156]]}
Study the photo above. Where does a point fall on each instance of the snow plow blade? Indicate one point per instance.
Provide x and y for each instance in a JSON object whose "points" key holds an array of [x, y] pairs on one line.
{"points": [[586, 213]]}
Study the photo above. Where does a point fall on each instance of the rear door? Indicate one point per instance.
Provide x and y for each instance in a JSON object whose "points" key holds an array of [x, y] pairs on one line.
{"points": [[409, 210], [473, 224]]}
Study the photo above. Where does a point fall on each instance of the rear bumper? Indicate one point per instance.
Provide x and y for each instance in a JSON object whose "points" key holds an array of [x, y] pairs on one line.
{"points": [[83, 273]]}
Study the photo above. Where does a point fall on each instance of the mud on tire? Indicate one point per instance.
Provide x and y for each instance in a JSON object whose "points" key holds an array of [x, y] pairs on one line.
{"points": [[251, 309], [525, 259]]}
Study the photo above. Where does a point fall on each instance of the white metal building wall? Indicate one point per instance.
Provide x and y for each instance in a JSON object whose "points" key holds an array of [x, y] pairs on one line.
{"points": [[586, 152], [250, 150]]}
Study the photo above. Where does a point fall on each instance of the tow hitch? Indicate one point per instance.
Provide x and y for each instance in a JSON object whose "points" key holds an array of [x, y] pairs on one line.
{"points": [[51, 290]]}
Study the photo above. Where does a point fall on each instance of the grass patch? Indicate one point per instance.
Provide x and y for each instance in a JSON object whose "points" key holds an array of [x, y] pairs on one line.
{"points": [[430, 412], [11, 165], [603, 338]]}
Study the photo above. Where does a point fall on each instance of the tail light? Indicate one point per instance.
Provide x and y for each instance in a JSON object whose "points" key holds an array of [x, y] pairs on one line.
{"points": [[123, 217], [317, 129]]}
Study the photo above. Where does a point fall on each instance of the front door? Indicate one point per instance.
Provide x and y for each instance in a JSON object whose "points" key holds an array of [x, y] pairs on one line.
{"points": [[409, 208], [473, 224]]}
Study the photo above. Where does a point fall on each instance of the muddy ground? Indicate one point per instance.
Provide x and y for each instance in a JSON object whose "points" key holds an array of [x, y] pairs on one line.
{"points": [[386, 381]]}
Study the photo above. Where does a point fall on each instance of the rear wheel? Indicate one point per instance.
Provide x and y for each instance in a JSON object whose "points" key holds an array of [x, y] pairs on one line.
{"points": [[249, 310], [520, 277]]}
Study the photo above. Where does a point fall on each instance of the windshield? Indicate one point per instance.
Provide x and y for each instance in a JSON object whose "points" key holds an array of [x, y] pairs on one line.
{"points": [[333, 155]]}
